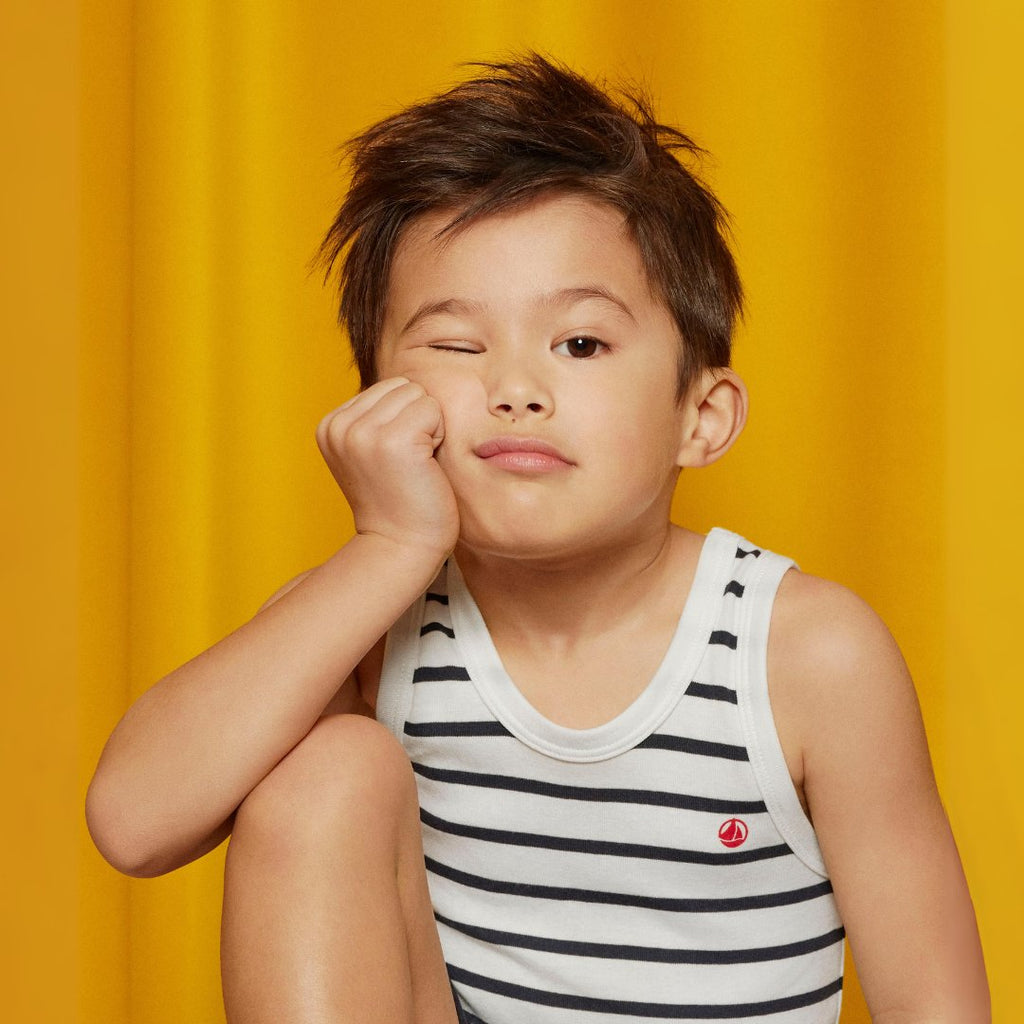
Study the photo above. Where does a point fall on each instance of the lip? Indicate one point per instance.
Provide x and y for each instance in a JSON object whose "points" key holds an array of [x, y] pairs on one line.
{"points": [[525, 454]]}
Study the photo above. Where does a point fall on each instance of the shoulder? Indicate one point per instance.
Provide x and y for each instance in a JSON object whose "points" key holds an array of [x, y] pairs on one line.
{"points": [[823, 635], [844, 704], [839, 687]]}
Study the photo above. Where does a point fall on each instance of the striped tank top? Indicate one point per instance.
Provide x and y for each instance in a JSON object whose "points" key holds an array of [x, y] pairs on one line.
{"points": [[656, 867]]}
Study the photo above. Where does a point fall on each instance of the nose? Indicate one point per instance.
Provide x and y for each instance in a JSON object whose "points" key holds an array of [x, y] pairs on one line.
{"points": [[517, 389]]}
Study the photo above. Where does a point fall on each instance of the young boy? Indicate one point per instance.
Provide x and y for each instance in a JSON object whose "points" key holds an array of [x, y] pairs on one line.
{"points": [[654, 775]]}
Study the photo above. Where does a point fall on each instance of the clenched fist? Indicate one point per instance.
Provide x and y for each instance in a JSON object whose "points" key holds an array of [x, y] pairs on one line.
{"points": [[380, 449]]}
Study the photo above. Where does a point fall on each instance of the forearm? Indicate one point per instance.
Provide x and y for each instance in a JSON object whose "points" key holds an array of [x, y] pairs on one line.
{"points": [[192, 748]]}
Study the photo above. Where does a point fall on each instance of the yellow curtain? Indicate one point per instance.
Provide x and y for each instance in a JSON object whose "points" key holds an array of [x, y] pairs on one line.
{"points": [[168, 169]]}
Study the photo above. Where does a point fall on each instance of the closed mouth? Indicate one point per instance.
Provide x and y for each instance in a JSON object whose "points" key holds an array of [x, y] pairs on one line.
{"points": [[520, 445]]}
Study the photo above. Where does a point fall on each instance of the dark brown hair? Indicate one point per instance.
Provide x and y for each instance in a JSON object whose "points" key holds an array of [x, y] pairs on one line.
{"points": [[521, 130]]}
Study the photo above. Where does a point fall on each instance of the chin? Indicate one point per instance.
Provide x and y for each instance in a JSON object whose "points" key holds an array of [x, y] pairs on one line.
{"points": [[517, 546], [530, 539]]}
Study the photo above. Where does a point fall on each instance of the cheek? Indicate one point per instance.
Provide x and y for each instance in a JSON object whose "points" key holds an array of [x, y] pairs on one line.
{"points": [[460, 394], [649, 445]]}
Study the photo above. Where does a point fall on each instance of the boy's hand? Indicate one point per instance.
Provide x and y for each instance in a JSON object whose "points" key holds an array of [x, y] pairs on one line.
{"points": [[380, 448]]}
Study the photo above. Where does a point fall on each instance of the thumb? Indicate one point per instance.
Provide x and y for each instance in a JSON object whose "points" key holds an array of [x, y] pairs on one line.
{"points": [[438, 432]]}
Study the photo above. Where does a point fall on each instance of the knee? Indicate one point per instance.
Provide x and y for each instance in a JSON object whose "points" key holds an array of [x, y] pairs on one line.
{"points": [[348, 771]]}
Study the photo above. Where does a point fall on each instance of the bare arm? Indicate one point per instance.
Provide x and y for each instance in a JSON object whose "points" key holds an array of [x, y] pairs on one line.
{"points": [[192, 748], [849, 717]]}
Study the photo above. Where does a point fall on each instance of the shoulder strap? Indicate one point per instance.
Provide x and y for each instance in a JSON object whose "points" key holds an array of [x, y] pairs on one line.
{"points": [[758, 722], [401, 655]]}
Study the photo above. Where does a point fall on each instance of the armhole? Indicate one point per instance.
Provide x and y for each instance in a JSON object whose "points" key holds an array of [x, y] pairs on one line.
{"points": [[401, 649], [762, 737]]}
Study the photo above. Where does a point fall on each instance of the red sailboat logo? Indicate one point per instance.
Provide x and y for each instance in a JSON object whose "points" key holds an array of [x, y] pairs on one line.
{"points": [[733, 832]]}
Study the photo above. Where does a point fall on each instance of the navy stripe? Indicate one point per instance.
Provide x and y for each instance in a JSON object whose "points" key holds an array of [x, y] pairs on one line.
{"points": [[754, 553], [723, 637], [440, 674], [619, 899], [567, 844], [677, 744], [645, 954], [595, 794], [455, 729], [663, 1011], [686, 745], [439, 598], [437, 627], [711, 691], [735, 588]]}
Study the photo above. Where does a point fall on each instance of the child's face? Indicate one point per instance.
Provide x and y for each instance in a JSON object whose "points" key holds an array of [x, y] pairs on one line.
{"points": [[537, 330]]}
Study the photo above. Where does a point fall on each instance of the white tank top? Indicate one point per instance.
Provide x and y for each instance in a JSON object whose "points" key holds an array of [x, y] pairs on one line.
{"points": [[657, 867]]}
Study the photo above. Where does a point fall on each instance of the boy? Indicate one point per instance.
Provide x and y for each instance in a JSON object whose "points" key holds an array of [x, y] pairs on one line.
{"points": [[616, 823]]}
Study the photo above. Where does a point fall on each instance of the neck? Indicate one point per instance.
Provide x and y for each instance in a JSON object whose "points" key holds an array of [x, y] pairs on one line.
{"points": [[566, 601]]}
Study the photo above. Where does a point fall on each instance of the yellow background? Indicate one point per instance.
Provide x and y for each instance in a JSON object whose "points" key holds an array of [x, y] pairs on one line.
{"points": [[167, 170]]}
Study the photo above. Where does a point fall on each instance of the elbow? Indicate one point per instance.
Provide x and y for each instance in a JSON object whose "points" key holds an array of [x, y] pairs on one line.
{"points": [[134, 847], [119, 839]]}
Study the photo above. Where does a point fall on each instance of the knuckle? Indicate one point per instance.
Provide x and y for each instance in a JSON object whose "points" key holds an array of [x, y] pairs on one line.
{"points": [[357, 435], [324, 424], [335, 435], [334, 424]]}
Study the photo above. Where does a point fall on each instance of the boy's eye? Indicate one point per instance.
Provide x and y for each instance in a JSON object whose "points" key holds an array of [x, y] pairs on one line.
{"points": [[453, 346], [580, 348]]}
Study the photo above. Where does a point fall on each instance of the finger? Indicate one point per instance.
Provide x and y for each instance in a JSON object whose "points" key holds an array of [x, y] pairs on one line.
{"points": [[375, 391], [367, 397], [405, 412], [438, 431], [389, 411], [405, 416], [357, 405]]}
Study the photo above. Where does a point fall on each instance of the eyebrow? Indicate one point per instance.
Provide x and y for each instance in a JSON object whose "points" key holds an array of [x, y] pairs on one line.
{"points": [[566, 297], [451, 307], [562, 297]]}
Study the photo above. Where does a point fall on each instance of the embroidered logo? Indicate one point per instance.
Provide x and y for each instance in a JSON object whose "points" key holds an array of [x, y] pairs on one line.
{"points": [[733, 832]]}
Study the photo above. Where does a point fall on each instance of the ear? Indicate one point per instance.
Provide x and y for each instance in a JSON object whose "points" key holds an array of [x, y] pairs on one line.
{"points": [[714, 414]]}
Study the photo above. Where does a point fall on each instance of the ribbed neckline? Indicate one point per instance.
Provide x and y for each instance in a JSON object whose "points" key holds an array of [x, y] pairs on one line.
{"points": [[644, 715]]}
